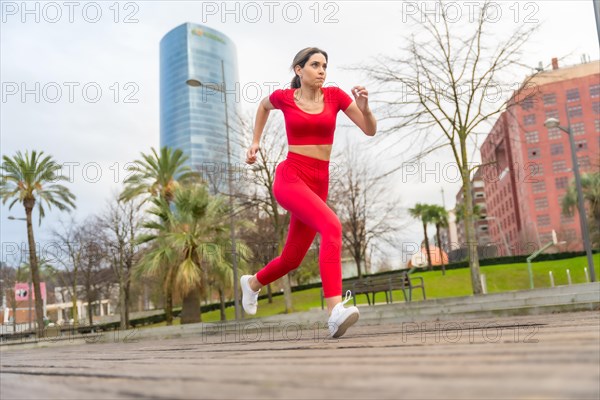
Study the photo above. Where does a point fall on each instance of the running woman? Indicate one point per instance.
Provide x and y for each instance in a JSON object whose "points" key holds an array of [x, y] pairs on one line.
{"points": [[302, 180]]}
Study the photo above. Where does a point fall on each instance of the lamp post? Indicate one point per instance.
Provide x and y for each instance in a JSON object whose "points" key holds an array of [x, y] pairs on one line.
{"points": [[554, 123], [194, 82]]}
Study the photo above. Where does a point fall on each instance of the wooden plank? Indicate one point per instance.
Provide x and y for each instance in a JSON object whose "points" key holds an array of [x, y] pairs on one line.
{"points": [[551, 356]]}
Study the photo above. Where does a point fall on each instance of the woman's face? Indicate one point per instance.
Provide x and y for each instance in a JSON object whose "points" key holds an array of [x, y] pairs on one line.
{"points": [[314, 71]]}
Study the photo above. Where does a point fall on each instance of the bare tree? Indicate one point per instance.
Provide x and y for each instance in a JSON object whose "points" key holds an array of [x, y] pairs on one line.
{"points": [[94, 254], [120, 223], [68, 255], [366, 209], [446, 77]]}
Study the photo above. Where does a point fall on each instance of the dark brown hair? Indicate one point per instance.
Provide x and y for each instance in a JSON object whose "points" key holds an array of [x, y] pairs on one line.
{"points": [[301, 58]]}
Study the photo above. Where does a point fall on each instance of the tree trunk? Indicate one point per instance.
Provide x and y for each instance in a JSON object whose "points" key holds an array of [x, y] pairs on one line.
{"points": [[222, 305], [74, 298], [169, 297], [473, 257], [35, 273], [427, 249], [127, 297], [437, 234], [122, 303], [269, 293], [287, 288], [287, 294], [90, 313], [357, 261], [190, 312]]}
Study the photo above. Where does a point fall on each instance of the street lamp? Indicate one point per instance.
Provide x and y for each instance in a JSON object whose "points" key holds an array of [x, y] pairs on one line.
{"points": [[194, 82], [554, 123]]}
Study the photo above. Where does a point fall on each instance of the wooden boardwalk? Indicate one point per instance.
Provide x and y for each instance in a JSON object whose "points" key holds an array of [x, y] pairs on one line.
{"points": [[535, 357]]}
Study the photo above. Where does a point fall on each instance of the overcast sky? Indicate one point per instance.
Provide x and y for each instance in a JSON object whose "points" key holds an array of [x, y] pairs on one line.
{"points": [[114, 47]]}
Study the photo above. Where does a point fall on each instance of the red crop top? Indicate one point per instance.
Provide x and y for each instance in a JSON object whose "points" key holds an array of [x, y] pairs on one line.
{"points": [[306, 128]]}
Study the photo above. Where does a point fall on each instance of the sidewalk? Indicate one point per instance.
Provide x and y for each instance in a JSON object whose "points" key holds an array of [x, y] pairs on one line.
{"points": [[540, 356]]}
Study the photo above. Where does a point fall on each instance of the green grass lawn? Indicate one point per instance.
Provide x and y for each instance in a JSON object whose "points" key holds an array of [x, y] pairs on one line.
{"points": [[456, 282]]}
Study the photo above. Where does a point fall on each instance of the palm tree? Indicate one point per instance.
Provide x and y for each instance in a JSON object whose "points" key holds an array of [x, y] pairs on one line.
{"points": [[29, 179], [440, 219], [158, 176], [423, 212], [185, 245], [590, 185]]}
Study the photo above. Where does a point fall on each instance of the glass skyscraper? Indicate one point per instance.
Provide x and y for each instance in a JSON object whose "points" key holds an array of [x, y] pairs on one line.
{"points": [[193, 118]]}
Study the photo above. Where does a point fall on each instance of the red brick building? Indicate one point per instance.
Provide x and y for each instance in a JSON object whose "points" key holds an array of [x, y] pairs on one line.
{"points": [[533, 169], [481, 224]]}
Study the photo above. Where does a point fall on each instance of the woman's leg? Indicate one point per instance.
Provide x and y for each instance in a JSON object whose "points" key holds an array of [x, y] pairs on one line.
{"points": [[299, 238], [309, 208]]}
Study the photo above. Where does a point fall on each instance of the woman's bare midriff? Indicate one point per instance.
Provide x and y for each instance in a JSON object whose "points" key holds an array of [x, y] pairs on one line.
{"points": [[318, 151]]}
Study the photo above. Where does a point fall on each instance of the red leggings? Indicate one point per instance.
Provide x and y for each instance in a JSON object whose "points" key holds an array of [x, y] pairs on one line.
{"points": [[301, 187]]}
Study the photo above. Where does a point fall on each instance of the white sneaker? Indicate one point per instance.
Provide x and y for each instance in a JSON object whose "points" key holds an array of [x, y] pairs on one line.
{"points": [[249, 296], [342, 318]]}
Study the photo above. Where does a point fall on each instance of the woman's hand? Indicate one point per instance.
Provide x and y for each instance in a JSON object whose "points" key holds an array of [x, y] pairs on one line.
{"points": [[361, 97], [251, 153]]}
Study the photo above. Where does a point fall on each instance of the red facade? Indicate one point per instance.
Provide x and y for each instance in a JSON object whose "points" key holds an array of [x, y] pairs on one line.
{"points": [[533, 168]]}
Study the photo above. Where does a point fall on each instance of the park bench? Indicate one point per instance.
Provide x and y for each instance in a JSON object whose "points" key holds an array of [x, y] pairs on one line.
{"points": [[375, 284]]}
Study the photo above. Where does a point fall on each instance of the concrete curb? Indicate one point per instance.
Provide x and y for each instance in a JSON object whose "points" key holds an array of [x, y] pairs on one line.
{"points": [[582, 297]]}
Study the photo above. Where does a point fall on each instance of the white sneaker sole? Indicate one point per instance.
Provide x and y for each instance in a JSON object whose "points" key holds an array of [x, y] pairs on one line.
{"points": [[350, 318]]}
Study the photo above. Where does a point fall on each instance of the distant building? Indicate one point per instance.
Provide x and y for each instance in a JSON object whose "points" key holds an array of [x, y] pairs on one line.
{"points": [[193, 118], [449, 235], [533, 168], [479, 205]]}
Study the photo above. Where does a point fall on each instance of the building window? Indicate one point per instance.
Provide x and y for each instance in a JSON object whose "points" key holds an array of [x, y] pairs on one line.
{"points": [[566, 219], [529, 119], [578, 129], [559, 166], [561, 182], [596, 107], [554, 133], [572, 95], [545, 237], [597, 124], [543, 220], [534, 153], [538, 187], [532, 137], [551, 114], [570, 234], [556, 149], [549, 99], [583, 162], [541, 203], [527, 103], [595, 91], [581, 145], [575, 111]]}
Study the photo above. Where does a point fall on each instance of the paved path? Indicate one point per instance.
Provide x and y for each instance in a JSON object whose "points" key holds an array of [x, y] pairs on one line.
{"points": [[535, 357]]}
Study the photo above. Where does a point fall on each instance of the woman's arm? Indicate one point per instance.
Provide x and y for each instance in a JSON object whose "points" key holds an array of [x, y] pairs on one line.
{"points": [[360, 113], [262, 114]]}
